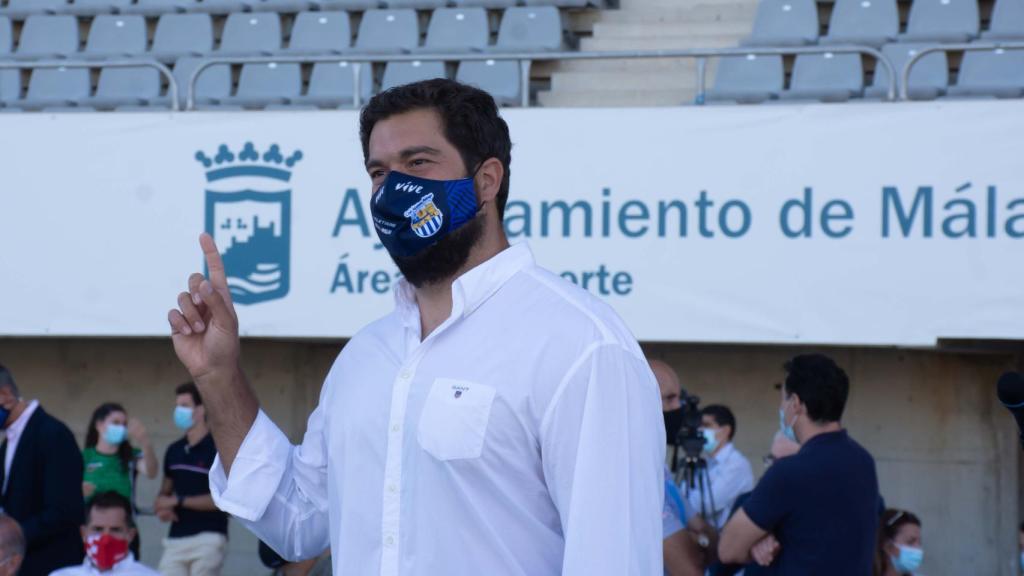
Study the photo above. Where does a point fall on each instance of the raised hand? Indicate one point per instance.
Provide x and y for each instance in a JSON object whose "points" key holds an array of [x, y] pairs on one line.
{"points": [[137, 432], [765, 550], [204, 326]]}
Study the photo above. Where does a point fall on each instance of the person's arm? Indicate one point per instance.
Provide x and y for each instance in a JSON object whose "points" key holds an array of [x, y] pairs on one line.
{"points": [[768, 504], [682, 555], [201, 503], [63, 506], [738, 537], [163, 506], [603, 450], [140, 438]]}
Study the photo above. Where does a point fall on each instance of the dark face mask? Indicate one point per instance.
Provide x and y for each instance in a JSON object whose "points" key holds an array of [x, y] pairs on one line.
{"points": [[673, 422]]}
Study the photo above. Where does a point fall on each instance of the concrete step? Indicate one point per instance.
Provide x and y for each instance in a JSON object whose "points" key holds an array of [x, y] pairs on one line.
{"points": [[615, 98], [657, 43], [650, 66], [743, 12], [659, 29], [602, 80]]}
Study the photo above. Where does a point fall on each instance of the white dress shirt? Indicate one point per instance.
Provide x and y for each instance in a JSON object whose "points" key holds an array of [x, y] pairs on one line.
{"points": [[127, 567], [522, 437], [13, 435], [731, 475]]}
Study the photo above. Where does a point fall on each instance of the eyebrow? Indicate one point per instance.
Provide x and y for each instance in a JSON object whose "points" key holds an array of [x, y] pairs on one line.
{"points": [[405, 154]]}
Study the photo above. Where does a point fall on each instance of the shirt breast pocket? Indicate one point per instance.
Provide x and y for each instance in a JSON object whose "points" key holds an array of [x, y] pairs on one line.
{"points": [[454, 419]]}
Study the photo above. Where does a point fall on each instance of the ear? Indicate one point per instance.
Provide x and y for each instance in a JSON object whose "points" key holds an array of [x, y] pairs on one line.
{"points": [[131, 534], [891, 549], [488, 180]]}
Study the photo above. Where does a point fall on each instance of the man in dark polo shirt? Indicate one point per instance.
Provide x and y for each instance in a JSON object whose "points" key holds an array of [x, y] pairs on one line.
{"points": [[815, 512], [197, 540]]}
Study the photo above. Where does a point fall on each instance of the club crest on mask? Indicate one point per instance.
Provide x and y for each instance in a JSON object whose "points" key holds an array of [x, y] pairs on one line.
{"points": [[425, 218]]}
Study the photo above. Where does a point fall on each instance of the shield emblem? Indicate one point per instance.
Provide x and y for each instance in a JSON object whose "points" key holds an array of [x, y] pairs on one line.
{"points": [[424, 217]]}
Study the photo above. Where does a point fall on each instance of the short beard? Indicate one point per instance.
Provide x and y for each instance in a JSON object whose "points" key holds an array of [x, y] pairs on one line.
{"points": [[442, 260]]}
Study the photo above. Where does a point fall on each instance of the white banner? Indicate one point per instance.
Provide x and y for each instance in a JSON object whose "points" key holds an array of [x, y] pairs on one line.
{"points": [[873, 224]]}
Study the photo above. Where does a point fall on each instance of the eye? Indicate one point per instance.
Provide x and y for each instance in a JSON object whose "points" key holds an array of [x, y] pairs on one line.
{"points": [[377, 174], [417, 162]]}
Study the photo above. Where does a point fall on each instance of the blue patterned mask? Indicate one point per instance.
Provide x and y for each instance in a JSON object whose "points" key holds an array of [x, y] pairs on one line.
{"points": [[411, 214]]}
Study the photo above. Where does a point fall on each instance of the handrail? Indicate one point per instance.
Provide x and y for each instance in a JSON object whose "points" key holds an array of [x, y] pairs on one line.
{"points": [[981, 47], [172, 84], [526, 58]]}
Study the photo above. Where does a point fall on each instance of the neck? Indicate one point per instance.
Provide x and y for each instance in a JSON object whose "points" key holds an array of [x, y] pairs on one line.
{"points": [[889, 570], [104, 447], [811, 429], [196, 433], [16, 412], [719, 449]]}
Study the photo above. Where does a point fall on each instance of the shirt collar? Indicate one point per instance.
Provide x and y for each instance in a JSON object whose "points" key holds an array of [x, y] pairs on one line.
{"points": [[14, 430], [122, 564], [471, 289], [725, 453]]}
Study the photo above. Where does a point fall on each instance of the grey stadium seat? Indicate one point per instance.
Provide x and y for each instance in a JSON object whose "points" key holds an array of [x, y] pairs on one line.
{"points": [[222, 6], [212, 86], [156, 7], [331, 85], [484, 3], [928, 79], [457, 30], [57, 87], [415, 4], [749, 79], [179, 35], [388, 31], [261, 84], [10, 87], [1007, 21], [826, 77], [124, 86], [784, 23], [116, 36], [398, 73], [6, 37], [48, 37], [998, 73], [21, 9], [871, 22], [530, 29], [560, 3], [942, 21], [251, 34], [345, 5], [320, 33], [283, 6], [501, 79], [93, 7]]}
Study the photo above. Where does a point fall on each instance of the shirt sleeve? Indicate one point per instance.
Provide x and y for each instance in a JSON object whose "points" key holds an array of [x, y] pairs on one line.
{"points": [[771, 499], [277, 490], [603, 451]]}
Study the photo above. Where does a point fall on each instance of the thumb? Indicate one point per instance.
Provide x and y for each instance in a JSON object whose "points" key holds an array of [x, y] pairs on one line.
{"points": [[223, 312]]}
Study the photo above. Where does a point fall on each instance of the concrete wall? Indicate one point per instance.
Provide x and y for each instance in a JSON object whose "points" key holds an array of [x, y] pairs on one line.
{"points": [[945, 448]]}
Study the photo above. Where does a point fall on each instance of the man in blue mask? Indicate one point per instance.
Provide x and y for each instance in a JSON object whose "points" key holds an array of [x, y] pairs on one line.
{"points": [[499, 421]]}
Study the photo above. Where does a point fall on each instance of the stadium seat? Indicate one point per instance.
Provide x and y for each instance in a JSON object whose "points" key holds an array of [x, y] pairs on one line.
{"points": [[826, 77], [6, 37], [928, 79], [179, 35], [331, 85], [484, 3], [414, 4], [320, 33], [871, 22], [398, 73], [942, 21], [1007, 21], [57, 87], [212, 85], [126, 86], [998, 73], [10, 87], [784, 23], [113, 36], [749, 79], [559, 3], [48, 37], [251, 35], [500, 79], [261, 84], [223, 6], [345, 5], [528, 29], [157, 7], [94, 7], [388, 31], [457, 30], [21, 9], [282, 6]]}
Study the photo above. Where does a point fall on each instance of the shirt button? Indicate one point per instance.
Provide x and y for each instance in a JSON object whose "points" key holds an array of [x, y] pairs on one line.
{"points": [[405, 374], [396, 427], [389, 541], [392, 488]]}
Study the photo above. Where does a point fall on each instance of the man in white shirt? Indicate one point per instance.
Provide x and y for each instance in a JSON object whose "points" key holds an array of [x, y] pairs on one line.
{"points": [[500, 421], [108, 530], [728, 469]]}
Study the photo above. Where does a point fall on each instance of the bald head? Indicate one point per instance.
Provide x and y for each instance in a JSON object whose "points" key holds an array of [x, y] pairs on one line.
{"points": [[668, 382], [12, 545]]}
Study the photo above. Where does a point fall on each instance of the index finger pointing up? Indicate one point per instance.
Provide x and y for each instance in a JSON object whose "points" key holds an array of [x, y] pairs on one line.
{"points": [[215, 265]]}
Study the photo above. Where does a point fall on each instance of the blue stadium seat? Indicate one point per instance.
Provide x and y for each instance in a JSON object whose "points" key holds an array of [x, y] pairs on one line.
{"points": [[281, 6], [484, 3], [388, 32], [10, 87], [212, 86], [21, 9], [784, 23], [222, 6], [331, 84], [262, 84], [94, 7], [457, 30], [871, 22], [993, 73], [414, 4], [529, 29], [942, 21], [560, 3], [251, 34], [113, 36], [928, 79], [126, 86], [749, 79], [179, 35], [398, 73], [501, 79], [57, 87], [826, 77], [345, 5], [157, 7], [48, 37], [6, 37], [1007, 21], [320, 33]]}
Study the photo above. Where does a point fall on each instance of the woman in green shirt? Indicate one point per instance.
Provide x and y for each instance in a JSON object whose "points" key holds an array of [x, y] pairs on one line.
{"points": [[110, 461]]}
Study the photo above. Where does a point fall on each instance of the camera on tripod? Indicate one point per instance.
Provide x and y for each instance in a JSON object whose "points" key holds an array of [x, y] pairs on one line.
{"points": [[688, 464], [689, 438]]}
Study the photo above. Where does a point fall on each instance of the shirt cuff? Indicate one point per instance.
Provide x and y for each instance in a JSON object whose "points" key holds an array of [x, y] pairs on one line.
{"points": [[255, 474]]}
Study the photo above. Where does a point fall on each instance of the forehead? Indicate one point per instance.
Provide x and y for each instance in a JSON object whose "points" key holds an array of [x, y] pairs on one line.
{"points": [[112, 517], [185, 399], [420, 127]]}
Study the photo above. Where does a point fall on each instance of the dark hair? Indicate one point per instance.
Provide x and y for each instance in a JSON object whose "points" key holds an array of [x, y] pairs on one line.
{"points": [[92, 436], [888, 527], [821, 385], [469, 117], [108, 500], [722, 416], [192, 390], [7, 381]]}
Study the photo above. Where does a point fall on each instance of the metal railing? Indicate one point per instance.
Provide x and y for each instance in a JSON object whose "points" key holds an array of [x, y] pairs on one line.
{"points": [[525, 59], [172, 84], [980, 47]]}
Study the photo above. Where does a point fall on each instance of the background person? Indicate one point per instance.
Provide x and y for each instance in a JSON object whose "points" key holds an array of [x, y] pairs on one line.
{"points": [[108, 528], [899, 544], [12, 546], [729, 470]]}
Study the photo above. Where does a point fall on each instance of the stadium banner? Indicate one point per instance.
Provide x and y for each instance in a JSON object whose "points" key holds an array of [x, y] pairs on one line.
{"points": [[866, 224]]}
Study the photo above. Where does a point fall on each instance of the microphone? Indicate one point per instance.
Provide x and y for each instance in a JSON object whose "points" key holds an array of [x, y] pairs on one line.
{"points": [[1010, 390]]}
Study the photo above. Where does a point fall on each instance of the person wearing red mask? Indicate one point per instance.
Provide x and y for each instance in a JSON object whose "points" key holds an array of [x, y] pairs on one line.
{"points": [[108, 529]]}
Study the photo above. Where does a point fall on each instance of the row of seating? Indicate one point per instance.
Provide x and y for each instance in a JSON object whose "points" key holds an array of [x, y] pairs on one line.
{"points": [[255, 34], [840, 77], [20, 9], [877, 22], [259, 85]]}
